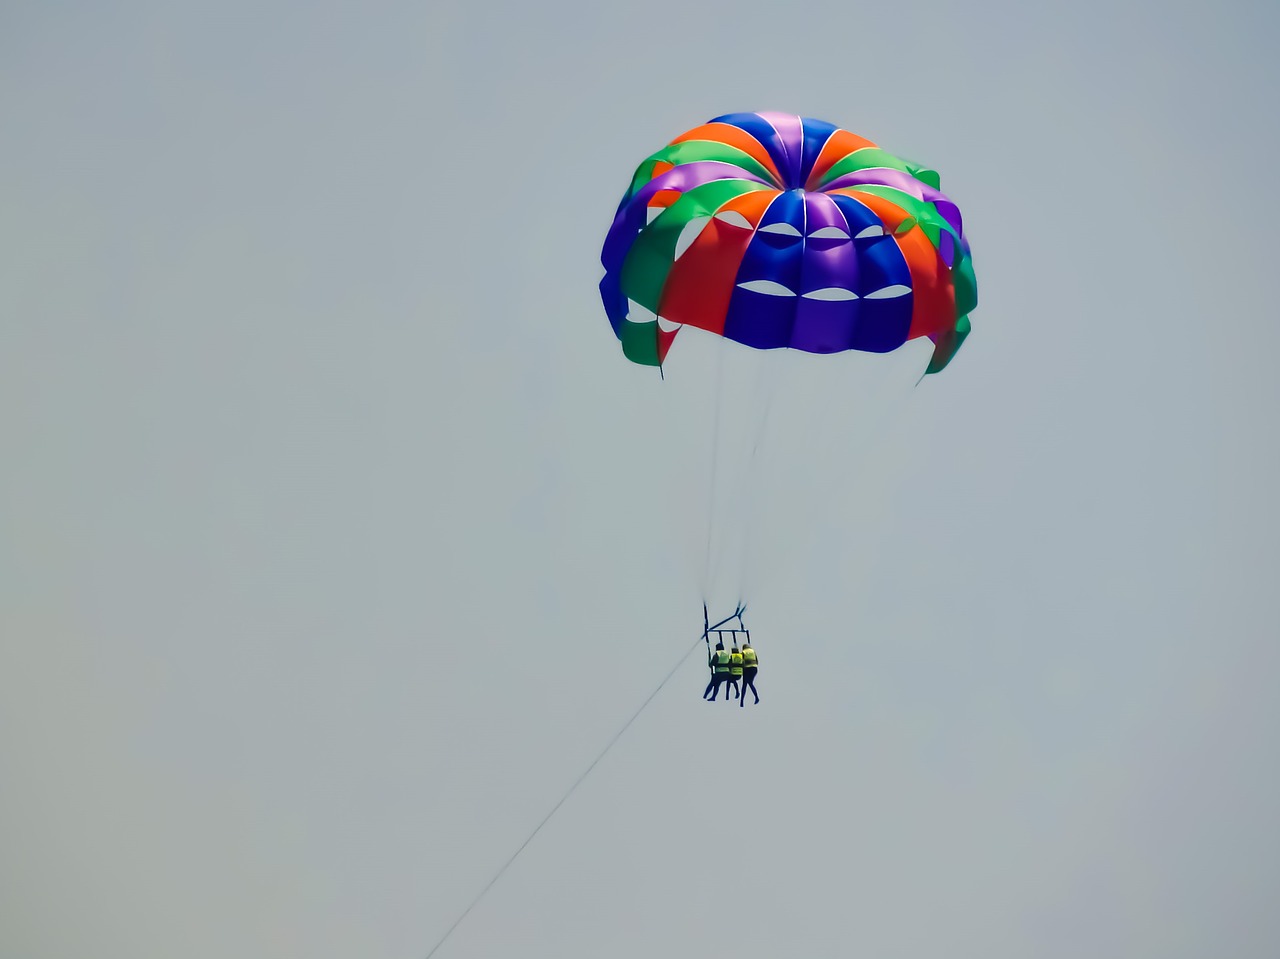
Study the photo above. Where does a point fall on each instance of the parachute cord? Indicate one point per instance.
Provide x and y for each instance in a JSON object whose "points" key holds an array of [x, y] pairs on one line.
{"points": [[578, 782], [745, 566], [715, 459]]}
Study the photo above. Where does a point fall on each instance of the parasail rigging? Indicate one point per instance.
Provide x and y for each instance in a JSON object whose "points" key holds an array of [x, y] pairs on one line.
{"points": [[773, 231]]}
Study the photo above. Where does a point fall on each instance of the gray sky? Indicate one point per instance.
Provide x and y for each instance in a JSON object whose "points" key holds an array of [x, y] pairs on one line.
{"points": [[338, 536]]}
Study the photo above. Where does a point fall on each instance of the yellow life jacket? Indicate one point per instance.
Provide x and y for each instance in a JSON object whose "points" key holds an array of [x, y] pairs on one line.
{"points": [[722, 660], [748, 657], [735, 664]]}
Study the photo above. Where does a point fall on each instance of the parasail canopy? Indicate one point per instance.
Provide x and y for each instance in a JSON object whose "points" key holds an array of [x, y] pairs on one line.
{"points": [[779, 231]]}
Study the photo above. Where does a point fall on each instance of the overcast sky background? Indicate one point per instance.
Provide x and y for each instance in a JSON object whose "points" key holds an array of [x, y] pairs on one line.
{"points": [[337, 536]]}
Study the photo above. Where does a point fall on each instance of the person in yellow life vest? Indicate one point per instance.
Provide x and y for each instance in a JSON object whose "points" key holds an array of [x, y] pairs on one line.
{"points": [[719, 661], [735, 673], [750, 664]]}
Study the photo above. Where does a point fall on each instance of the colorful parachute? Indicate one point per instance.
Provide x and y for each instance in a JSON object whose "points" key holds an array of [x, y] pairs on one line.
{"points": [[775, 230]]}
